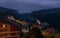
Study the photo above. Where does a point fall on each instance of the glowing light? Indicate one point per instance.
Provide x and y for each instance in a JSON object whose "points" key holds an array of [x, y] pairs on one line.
{"points": [[11, 17], [4, 25]]}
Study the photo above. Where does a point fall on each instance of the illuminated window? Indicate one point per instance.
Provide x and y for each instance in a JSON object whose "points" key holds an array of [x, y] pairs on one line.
{"points": [[4, 25]]}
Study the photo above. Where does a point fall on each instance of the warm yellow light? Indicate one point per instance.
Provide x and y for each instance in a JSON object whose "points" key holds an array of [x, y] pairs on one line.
{"points": [[4, 25], [11, 17]]}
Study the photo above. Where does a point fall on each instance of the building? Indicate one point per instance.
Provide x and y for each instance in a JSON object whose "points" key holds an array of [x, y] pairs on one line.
{"points": [[49, 31], [9, 28]]}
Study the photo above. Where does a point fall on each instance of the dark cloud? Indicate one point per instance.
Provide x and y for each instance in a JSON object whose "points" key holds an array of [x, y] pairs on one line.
{"points": [[29, 5]]}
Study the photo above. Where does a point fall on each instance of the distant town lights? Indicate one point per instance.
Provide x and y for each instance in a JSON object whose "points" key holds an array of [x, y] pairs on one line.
{"points": [[38, 22], [11, 17]]}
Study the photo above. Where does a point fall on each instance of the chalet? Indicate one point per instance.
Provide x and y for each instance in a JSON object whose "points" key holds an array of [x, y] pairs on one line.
{"points": [[9, 28]]}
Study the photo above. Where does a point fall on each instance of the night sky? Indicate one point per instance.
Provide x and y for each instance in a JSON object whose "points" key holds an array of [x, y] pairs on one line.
{"points": [[27, 6]]}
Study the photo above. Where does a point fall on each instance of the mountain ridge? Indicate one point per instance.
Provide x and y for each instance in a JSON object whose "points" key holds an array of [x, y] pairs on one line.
{"points": [[49, 15]]}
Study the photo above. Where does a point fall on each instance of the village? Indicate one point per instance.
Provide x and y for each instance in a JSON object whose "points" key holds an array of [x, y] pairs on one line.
{"points": [[15, 25], [11, 27]]}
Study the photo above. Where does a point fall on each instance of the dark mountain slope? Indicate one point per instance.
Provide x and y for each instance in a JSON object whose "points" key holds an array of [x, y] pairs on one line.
{"points": [[52, 16], [7, 11]]}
